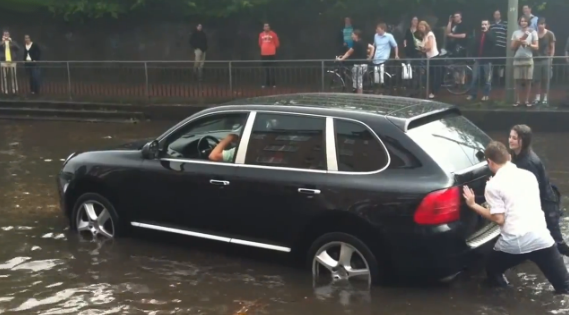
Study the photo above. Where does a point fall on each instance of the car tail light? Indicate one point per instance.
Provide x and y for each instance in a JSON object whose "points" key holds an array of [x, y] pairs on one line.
{"points": [[439, 207]]}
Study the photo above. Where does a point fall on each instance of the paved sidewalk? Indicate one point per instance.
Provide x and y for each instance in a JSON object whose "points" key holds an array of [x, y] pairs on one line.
{"points": [[117, 92]]}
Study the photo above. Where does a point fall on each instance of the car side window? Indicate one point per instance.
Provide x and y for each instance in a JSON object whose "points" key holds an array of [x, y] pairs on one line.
{"points": [[197, 139], [357, 148], [288, 140]]}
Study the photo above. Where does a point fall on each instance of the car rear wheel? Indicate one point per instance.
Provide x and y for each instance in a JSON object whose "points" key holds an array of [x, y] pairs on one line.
{"points": [[343, 257], [95, 216]]}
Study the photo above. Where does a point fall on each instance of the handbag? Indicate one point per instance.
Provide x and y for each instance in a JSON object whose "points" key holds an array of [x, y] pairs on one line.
{"points": [[379, 74], [406, 72]]}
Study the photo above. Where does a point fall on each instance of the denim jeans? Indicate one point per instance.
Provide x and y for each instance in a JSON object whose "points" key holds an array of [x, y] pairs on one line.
{"points": [[436, 65], [34, 76], [548, 260], [481, 71]]}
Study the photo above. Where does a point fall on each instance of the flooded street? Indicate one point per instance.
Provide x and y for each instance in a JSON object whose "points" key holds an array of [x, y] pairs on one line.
{"points": [[44, 269]]}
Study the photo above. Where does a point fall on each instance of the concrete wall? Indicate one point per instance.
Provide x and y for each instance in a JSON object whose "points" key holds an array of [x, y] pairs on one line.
{"points": [[164, 35]]}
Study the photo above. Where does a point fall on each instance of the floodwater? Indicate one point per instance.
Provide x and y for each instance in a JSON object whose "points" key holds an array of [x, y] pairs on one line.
{"points": [[44, 269]]}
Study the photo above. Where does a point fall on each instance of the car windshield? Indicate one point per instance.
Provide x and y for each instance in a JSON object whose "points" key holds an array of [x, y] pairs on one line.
{"points": [[454, 142]]}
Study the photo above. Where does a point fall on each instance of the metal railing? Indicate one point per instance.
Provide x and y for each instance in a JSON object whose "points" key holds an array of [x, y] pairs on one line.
{"points": [[181, 81]]}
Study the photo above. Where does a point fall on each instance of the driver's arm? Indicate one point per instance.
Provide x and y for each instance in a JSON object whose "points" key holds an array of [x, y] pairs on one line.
{"points": [[217, 152]]}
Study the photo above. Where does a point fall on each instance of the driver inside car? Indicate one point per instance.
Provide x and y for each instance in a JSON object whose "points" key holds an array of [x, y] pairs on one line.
{"points": [[220, 154]]}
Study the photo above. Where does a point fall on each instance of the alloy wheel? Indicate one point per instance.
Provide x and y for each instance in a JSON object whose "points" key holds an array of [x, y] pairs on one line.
{"points": [[342, 261], [95, 219]]}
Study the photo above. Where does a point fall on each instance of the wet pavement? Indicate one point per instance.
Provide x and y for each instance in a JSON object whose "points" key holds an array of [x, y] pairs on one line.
{"points": [[46, 270]]}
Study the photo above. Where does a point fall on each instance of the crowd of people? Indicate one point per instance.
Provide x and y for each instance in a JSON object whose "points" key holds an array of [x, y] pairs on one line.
{"points": [[10, 53], [533, 45]]}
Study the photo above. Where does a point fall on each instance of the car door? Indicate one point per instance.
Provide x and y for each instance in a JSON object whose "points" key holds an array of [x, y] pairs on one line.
{"points": [[283, 176], [188, 191]]}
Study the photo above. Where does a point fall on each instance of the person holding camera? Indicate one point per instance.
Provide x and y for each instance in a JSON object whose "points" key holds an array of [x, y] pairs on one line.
{"points": [[8, 54], [483, 48], [32, 54], [457, 35], [524, 43]]}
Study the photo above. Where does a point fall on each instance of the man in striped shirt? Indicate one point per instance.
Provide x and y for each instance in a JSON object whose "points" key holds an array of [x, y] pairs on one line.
{"points": [[500, 30]]}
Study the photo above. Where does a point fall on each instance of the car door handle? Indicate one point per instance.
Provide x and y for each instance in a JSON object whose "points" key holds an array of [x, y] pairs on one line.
{"points": [[219, 182], [309, 191]]}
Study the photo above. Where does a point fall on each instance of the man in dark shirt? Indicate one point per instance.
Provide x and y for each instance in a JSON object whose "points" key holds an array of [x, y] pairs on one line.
{"points": [[198, 41], [357, 56], [457, 37]]}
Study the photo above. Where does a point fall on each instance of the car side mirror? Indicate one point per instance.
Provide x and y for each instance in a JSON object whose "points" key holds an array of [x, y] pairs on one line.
{"points": [[150, 151]]}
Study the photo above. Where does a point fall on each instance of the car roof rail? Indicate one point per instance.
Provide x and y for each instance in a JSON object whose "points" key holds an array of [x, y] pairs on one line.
{"points": [[392, 106]]}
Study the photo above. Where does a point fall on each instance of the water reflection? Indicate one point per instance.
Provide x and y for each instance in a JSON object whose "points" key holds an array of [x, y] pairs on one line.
{"points": [[46, 270]]}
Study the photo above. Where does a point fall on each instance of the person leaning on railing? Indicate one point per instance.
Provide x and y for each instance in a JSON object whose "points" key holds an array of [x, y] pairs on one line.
{"points": [[358, 53]]}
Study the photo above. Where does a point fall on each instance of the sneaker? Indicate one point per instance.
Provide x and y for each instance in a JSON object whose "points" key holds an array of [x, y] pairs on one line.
{"points": [[485, 98], [470, 98], [563, 249], [431, 96], [262, 86], [274, 86]]}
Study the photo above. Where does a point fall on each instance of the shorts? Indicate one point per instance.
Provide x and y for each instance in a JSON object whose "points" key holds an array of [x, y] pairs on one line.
{"points": [[358, 72], [524, 72], [542, 70]]}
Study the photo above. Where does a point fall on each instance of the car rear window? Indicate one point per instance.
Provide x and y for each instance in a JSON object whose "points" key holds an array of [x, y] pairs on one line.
{"points": [[454, 142]]}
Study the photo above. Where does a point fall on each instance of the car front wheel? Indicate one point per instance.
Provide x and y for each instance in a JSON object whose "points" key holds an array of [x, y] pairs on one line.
{"points": [[94, 215], [343, 257]]}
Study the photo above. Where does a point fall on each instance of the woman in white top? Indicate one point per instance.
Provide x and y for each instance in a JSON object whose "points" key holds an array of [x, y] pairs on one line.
{"points": [[429, 47]]}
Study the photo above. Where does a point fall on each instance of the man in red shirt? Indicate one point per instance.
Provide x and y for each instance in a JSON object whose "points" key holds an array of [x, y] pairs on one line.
{"points": [[269, 43]]}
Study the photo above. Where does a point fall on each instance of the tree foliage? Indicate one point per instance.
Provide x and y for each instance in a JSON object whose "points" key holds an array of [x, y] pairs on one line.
{"points": [[71, 9]]}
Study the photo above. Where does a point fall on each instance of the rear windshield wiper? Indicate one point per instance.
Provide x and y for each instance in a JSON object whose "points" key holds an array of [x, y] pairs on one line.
{"points": [[479, 151]]}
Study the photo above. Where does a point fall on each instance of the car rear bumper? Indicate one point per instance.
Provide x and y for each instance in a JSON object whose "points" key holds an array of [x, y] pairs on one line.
{"points": [[441, 254]]}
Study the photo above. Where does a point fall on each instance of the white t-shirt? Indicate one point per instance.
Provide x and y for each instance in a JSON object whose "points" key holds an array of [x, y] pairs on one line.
{"points": [[514, 192], [434, 51]]}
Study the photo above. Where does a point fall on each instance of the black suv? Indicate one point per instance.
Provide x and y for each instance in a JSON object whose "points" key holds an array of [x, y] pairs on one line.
{"points": [[361, 186]]}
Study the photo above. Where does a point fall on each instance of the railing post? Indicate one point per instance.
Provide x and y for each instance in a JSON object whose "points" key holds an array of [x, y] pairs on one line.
{"points": [[146, 81], [69, 94], [322, 73], [428, 84], [230, 69]]}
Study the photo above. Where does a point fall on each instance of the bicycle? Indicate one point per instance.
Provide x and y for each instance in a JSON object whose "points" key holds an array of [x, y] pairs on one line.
{"points": [[339, 79], [456, 78]]}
